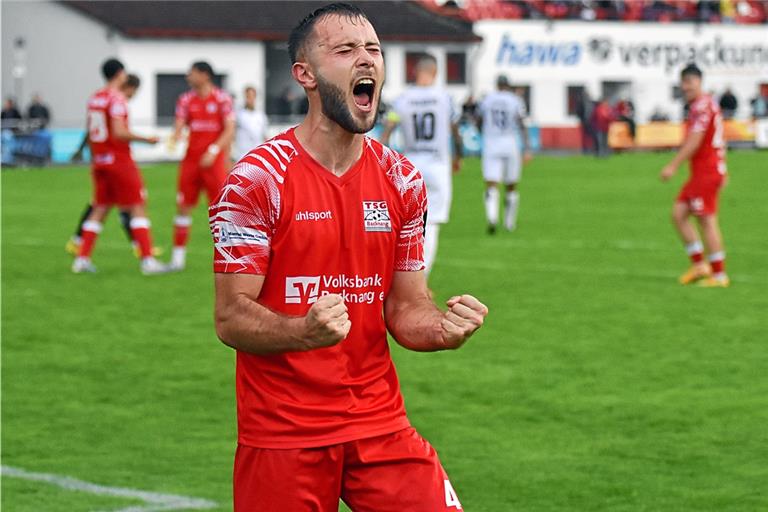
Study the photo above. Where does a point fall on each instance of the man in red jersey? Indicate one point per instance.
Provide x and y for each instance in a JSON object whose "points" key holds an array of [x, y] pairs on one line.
{"points": [[207, 111], [705, 147], [117, 181], [319, 238]]}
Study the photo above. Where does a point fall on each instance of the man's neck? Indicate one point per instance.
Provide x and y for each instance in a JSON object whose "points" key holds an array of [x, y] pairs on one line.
{"points": [[204, 90], [336, 149]]}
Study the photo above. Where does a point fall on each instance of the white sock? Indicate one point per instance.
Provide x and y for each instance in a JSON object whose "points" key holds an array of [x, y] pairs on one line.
{"points": [[694, 248], [492, 205], [430, 245], [179, 256], [510, 210]]}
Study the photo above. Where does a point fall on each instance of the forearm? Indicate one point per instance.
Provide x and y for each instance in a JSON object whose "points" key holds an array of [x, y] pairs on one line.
{"points": [[458, 143], [225, 139], [685, 152], [417, 326], [246, 325]]}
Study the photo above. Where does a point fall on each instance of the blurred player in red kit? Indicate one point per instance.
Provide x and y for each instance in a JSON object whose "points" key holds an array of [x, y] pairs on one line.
{"points": [[705, 148], [207, 112], [318, 232], [116, 178]]}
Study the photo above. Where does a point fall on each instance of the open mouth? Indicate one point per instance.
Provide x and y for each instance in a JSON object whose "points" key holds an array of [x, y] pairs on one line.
{"points": [[363, 92]]}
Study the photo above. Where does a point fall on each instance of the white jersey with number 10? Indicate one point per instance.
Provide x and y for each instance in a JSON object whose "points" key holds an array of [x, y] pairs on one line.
{"points": [[425, 115]]}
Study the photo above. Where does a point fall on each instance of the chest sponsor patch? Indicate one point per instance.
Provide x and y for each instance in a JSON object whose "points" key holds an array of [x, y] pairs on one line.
{"points": [[376, 216]]}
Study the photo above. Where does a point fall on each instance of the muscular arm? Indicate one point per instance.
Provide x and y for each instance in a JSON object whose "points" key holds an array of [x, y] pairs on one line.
{"points": [[178, 128], [686, 151], [244, 324], [523, 133], [417, 324], [458, 146]]}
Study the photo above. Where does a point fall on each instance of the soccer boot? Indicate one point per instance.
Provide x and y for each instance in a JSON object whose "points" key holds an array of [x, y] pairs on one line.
{"points": [[151, 267], [83, 266], [715, 282], [156, 251], [696, 272], [72, 246]]}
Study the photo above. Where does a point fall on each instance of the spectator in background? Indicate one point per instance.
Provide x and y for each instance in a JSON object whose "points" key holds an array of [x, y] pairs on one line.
{"points": [[602, 117], [38, 113], [728, 103], [625, 111], [583, 109], [251, 125], [760, 103], [659, 116], [10, 115]]}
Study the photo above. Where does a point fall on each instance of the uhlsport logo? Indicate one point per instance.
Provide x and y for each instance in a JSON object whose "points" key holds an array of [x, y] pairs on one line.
{"points": [[376, 216], [302, 290]]}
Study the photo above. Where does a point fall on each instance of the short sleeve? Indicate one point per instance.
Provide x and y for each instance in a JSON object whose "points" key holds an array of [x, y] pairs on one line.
{"points": [[700, 116], [118, 108], [226, 108], [409, 253], [243, 220], [182, 108]]}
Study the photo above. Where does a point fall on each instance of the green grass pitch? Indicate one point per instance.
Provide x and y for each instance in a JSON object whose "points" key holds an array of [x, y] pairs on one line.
{"points": [[597, 384]]}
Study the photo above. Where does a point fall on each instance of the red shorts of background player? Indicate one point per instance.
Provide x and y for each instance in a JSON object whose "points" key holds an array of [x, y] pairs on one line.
{"points": [[394, 472], [193, 178], [118, 184], [701, 195]]}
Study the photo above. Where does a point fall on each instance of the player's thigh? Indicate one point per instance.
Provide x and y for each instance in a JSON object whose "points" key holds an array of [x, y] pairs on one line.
{"points": [[189, 183], [395, 473], [267, 480], [492, 168], [215, 176], [130, 186], [102, 188], [512, 168]]}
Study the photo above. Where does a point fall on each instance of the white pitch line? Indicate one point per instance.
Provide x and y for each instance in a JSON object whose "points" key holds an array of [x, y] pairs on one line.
{"points": [[155, 502]]}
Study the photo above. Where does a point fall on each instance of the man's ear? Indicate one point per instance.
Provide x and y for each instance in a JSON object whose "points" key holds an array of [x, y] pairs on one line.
{"points": [[303, 74]]}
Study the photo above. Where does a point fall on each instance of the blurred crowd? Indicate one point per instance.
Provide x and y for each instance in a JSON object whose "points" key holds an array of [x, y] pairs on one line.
{"points": [[37, 115], [708, 11]]}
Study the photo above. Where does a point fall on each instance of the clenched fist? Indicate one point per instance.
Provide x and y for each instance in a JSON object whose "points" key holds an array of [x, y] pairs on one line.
{"points": [[465, 315], [327, 322]]}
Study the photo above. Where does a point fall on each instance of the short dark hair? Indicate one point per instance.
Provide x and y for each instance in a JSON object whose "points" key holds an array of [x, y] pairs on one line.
{"points": [[111, 68], [203, 67], [691, 69], [133, 81], [302, 31]]}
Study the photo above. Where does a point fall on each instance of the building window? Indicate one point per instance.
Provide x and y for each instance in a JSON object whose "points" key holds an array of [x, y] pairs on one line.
{"points": [[169, 88], [576, 97], [456, 68]]}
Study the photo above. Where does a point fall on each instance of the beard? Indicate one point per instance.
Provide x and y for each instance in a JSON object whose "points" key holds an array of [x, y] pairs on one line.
{"points": [[336, 109]]}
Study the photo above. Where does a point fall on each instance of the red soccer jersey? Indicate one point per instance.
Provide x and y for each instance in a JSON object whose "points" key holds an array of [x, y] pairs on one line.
{"points": [[205, 117], [282, 215], [105, 105], [704, 116]]}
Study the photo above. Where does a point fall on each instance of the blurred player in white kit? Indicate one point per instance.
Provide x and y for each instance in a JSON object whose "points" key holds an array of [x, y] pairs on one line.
{"points": [[429, 122], [251, 125], [500, 118]]}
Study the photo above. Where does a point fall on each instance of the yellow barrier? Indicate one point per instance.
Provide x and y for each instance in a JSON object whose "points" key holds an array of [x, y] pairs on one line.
{"points": [[667, 135]]}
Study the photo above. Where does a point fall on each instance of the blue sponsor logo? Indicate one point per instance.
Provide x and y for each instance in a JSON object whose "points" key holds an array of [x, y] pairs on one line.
{"points": [[528, 53]]}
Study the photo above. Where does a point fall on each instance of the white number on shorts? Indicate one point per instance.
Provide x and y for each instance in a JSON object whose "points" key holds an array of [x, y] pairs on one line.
{"points": [[451, 500], [97, 126]]}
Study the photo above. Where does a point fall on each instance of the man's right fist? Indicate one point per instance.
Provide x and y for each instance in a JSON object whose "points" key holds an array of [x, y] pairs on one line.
{"points": [[327, 322]]}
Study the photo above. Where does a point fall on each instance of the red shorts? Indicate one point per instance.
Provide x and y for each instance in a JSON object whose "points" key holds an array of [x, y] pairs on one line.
{"points": [[118, 184], [393, 472], [701, 195], [193, 178]]}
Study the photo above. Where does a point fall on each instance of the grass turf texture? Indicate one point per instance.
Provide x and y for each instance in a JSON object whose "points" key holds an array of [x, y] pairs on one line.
{"points": [[597, 383]]}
